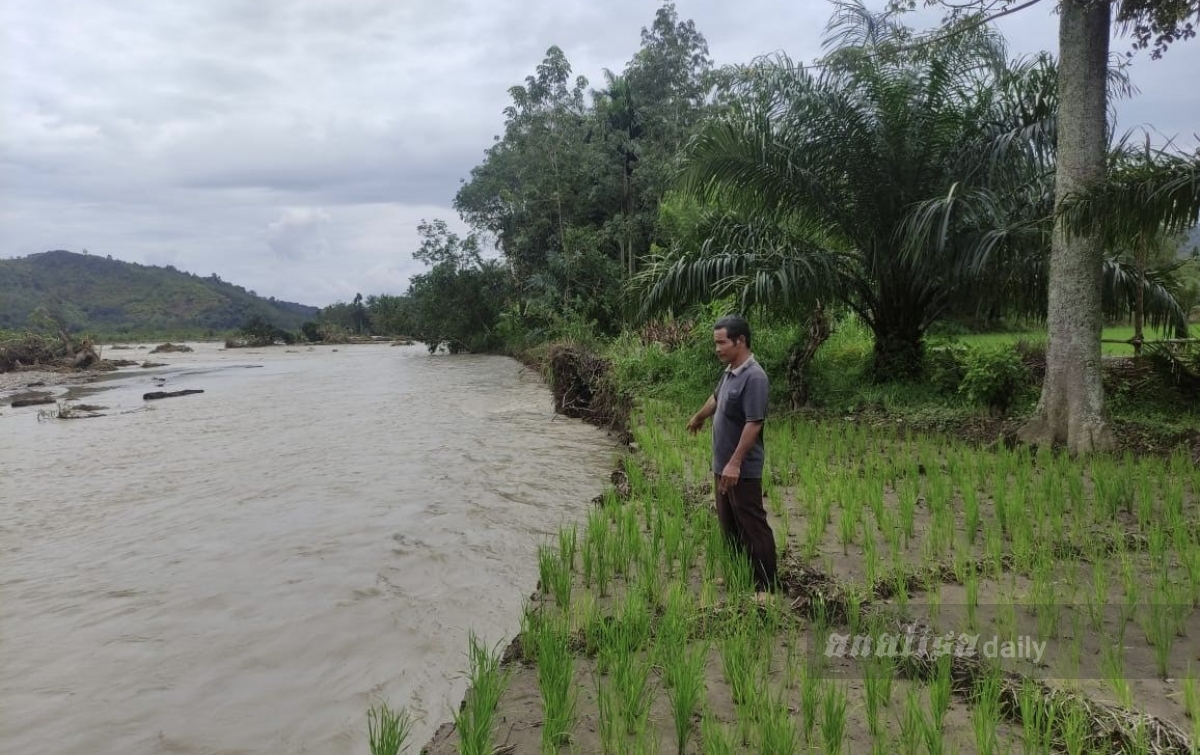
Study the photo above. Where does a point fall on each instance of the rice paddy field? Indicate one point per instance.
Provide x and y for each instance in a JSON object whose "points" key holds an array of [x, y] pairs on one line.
{"points": [[937, 598]]}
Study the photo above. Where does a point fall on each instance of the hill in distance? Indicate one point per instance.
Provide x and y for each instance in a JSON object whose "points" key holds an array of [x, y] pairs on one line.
{"points": [[109, 297]]}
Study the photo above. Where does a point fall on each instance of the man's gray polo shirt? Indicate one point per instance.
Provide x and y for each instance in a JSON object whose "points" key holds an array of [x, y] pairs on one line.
{"points": [[741, 397]]}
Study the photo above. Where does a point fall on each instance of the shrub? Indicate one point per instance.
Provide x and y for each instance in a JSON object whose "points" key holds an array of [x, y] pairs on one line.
{"points": [[650, 368], [994, 376], [839, 371], [945, 366]]}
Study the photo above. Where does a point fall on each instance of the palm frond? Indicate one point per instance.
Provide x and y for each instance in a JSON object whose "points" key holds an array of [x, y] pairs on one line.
{"points": [[1159, 286], [759, 262], [1151, 193]]}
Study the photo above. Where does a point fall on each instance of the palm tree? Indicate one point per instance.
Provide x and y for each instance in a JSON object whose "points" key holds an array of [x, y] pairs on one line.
{"points": [[1010, 223], [906, 179], [616, 107], [811, 179]]}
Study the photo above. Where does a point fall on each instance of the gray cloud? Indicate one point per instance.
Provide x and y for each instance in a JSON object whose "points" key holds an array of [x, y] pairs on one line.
{"points": [[292, 146], [299, 234]]}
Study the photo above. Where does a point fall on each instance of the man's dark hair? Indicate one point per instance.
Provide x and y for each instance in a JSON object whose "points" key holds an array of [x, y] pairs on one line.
{"points": [[735, 327]]}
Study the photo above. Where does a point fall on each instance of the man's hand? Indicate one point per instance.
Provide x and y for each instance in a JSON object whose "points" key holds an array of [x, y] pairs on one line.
{"points": [[729, 476], [695, 424]]}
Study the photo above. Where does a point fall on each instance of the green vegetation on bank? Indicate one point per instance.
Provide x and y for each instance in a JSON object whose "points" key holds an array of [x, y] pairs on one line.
{"points": [[983, 384]]}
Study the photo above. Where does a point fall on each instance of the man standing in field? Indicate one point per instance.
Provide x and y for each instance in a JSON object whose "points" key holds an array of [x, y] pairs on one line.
{"points": [[739, 408]]}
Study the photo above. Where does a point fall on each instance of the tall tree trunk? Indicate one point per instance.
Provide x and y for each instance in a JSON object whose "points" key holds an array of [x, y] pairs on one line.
{"points": [[802, 354], [627, 190], [899, 350], [1139, 310], [1071, 407], [897, 322]]}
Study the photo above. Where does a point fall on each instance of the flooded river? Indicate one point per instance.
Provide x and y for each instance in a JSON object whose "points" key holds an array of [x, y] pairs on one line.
{"points": [[248, 569]]}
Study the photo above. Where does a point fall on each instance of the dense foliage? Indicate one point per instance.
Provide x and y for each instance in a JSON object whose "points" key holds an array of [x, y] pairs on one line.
{"points": [[911, 181], [477, 287], [570, 191]]}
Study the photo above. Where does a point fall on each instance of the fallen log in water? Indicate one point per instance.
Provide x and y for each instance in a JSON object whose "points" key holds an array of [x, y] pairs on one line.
{"points": [[36, 401], [167, 394]]}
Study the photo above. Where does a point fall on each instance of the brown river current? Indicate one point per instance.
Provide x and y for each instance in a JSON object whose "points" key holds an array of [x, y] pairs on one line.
{"points": [[248, 569]]}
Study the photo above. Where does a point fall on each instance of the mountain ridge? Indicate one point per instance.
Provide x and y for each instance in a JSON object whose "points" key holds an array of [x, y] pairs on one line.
{"points": [[108, 296]]}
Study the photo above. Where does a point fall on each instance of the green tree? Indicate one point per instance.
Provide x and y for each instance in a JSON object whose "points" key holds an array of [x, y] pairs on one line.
{"points": [[262, 331], [811, 181], [441, 245], [259, 329], [388, 315], [457, 303], [358, 315], [340, 316], [651, 110], [525, 191], [570, 190], [542, 195]]}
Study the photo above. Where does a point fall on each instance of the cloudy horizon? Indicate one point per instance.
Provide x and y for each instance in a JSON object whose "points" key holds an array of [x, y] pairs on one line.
{"points": [[293, 146]]}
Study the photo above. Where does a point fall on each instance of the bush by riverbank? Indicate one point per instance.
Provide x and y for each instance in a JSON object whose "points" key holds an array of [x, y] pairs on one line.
{"points": [[895, 512]]}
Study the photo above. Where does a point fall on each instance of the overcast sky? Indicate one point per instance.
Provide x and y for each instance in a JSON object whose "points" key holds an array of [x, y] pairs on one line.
{"points": [[292, 146]]}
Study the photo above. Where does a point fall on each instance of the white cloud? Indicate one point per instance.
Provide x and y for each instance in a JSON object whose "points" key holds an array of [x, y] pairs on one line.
{"points": [[292, 146], [298, 234]]}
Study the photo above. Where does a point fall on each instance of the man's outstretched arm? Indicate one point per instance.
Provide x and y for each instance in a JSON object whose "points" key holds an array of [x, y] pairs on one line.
{"points": [[697, 421]]}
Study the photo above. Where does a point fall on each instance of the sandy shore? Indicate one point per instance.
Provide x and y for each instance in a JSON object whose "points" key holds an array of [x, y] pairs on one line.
{"points": [[19, 380]]}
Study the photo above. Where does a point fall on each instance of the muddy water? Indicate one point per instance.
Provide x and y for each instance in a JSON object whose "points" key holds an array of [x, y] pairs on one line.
{"points": [[246, 570]]}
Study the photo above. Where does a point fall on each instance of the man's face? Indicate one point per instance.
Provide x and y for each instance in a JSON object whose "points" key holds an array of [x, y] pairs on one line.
{"points": [[725, 348]]}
